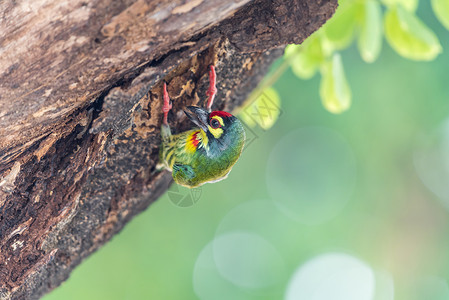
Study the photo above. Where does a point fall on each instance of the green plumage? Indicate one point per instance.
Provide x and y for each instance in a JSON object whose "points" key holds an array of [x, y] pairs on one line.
{"points": [[199, 156]]}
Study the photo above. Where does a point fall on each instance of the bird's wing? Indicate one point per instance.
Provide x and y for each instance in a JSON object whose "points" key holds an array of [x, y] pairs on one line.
{"points": [[183, 173]]}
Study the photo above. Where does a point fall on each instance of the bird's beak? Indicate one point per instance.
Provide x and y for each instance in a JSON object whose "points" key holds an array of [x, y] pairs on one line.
{"points": [[199, 116]]}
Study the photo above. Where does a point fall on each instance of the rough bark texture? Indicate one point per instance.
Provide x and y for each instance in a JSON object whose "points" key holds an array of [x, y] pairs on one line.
{"points": [[80, 111]]}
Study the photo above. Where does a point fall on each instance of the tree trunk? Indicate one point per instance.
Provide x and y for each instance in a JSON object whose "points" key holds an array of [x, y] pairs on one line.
{"points": [[80, 111]]}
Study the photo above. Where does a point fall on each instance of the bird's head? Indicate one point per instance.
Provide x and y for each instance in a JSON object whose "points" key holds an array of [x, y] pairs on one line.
{"points": [[223, 130]]}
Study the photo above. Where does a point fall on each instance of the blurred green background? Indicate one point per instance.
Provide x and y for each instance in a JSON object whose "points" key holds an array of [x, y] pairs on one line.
{"points": [[321, 206]]}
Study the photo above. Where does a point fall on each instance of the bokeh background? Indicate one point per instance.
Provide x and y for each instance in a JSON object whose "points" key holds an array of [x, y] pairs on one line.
{"points": [[320, 206]]}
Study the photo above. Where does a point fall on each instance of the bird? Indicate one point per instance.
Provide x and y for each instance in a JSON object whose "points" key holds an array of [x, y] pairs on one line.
{"points": [[207, 152]]}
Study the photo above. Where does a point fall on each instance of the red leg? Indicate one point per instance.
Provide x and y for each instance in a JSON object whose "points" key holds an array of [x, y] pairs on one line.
{"points": [[167, 106], [212, 89]]}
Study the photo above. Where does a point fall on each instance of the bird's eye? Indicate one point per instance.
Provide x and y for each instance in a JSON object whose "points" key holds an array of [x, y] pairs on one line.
{"points": [[214, 123]]}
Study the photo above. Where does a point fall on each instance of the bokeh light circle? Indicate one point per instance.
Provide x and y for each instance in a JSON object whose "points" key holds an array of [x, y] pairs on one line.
{"points": [[335, 276], [248, 260], [237, 265], [260, 217], [311, 174], [208, 284]]}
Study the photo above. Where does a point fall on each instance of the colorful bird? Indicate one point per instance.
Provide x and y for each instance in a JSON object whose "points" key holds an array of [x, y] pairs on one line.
{"points": [[205, 153]]}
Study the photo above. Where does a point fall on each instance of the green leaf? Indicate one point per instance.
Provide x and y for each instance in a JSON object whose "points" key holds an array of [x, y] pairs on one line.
{"points": [[334, 88], [410, 5], [441, 10], [339, 30], [409, 36], [370, 38], [306, 62], [264, 111]]}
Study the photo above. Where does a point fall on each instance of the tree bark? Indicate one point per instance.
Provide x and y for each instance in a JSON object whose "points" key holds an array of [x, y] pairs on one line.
{"points": [[80, 111]]}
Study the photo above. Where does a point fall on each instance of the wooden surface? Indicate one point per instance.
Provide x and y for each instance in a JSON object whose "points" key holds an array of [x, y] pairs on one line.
{"points": [[80, 111]]}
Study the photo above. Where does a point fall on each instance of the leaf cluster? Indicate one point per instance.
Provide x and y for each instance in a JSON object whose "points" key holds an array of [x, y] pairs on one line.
{"points": [[365, 22]]}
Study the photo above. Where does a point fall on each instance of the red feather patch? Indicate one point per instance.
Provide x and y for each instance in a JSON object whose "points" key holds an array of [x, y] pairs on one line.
{"points": [[220, 113], [194, 139]]}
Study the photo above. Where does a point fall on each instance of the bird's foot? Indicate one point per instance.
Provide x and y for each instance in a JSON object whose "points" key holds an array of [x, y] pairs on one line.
{"points": [[167, 105], [212, 89]]}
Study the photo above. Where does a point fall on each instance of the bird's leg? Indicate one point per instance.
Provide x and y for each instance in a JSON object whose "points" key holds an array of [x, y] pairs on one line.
{"points": [[167, 106], [165, 129], [212, 89]]}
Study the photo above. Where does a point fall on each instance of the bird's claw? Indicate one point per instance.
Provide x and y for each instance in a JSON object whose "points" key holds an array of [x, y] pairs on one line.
{"points": [[167, 105]]}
